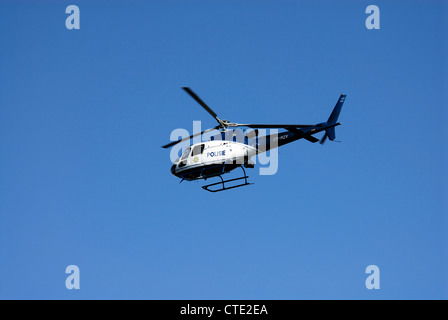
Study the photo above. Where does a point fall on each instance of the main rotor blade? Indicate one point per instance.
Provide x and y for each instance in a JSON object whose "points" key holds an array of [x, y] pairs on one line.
{"points": [[202, 103], [273, 126], [188, 138]]}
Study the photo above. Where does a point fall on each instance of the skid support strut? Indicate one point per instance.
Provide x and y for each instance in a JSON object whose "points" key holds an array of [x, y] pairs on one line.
{"points": [[223, 182]]}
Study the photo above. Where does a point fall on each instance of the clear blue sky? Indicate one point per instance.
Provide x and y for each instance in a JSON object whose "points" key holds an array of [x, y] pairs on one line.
{"points": [[84, 181]]}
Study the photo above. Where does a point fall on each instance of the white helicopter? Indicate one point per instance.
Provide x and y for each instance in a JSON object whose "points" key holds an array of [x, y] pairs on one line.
{"points": [[219, 156]]}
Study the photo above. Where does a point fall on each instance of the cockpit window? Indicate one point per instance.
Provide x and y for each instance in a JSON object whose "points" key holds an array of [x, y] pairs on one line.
{"points": [[198, 150], [186, 153]]}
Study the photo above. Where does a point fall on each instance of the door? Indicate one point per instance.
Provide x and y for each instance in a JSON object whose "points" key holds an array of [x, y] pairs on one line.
{"points": [[196, 155]]}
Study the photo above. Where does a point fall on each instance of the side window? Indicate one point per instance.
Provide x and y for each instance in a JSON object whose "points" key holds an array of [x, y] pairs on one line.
{"points": [[198, 150]]}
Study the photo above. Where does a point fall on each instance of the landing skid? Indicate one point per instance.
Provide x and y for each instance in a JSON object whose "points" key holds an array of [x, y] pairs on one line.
{"points": [[223, 182]]}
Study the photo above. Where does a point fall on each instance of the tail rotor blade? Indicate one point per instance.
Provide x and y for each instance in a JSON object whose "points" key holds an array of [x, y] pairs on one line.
{"points": [[322, 141]]}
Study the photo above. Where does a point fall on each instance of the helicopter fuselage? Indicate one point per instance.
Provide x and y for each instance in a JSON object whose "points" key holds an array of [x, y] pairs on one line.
{"points": [[212, 158]]}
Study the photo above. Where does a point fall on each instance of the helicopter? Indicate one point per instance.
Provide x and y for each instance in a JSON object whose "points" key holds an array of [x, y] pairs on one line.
{"points": [[217, 157]]}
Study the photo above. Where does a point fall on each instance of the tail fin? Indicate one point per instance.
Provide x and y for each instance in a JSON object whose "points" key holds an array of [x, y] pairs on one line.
{"points": [[337, 110], [330, 133]]}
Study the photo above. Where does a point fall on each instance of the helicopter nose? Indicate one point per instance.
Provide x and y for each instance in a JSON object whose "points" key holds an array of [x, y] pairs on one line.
{"points": [[173, 169]]}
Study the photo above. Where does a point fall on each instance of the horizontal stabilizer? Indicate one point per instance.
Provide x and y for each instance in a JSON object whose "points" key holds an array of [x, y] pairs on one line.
{"points": [[311, 139]]}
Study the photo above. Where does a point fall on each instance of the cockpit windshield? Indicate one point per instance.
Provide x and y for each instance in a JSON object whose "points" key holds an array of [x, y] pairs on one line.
{"points": [[186, 153]]}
